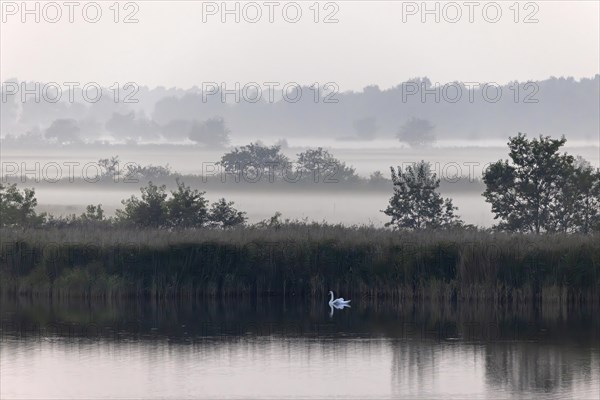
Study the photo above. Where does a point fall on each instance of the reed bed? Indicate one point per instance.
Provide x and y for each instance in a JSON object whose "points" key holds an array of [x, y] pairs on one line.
{"points": [[304, 260]]}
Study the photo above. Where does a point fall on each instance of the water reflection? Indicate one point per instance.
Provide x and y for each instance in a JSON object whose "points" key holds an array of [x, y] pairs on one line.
{"points": [[267, 348], [539, 367], [335, 306]]}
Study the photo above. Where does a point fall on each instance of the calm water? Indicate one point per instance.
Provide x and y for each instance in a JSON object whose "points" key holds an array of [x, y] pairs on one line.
{"points": [[270, 349]]}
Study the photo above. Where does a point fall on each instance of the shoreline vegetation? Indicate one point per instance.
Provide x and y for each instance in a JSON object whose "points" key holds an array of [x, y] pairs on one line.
{"points": [[303, 260], [175, 244]]}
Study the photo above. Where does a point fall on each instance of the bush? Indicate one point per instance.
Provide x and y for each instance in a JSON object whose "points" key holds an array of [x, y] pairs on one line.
{"points": [[224, 215], [17, 207], [416, 204]]}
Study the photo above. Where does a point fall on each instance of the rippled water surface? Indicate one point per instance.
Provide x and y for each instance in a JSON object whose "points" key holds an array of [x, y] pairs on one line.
{"points": [[271, 349]]}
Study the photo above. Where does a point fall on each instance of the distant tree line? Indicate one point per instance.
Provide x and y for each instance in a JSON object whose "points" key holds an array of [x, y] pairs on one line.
{"points": [[262, 162], [177, 115], [258, 163], [211, 133], [251, 163]]}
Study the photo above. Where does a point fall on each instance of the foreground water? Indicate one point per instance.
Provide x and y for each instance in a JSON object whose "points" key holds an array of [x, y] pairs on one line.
{"points": [[296, 349]]}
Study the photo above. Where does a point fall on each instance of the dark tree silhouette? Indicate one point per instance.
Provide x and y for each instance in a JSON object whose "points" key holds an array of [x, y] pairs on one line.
{"points": [[110, 166], [224, 215], [587, 202], [93, 213], [149, 211], [255, 159], [321, 165], [17, 207], [187, 208], [542, 190], [576, 206], [416, 204]]}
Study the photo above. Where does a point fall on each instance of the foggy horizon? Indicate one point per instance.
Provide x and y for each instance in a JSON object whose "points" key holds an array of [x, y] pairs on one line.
{"points": [[481, 42], [67, 113]]}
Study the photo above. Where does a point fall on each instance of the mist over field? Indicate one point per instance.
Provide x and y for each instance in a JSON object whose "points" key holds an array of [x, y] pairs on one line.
{"points": [[460, 167]]}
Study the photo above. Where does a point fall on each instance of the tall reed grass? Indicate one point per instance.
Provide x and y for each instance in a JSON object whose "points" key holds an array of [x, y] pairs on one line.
{"points": [[300, 260]]}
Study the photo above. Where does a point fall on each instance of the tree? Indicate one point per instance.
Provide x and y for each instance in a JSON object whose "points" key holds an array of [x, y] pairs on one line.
{"points": [[366, 128], [187, 208], [149, 211], [17, 207], [578, 207], [93, 213], [148, 171], [417, 132], [254, 160], [110, 166], [416, 204], [535, 191], [177, 129], [132, 127], [224, 215], [377, 178], [212, 132], [92, 217], [273, 222], [321, 165], [64, 131]]}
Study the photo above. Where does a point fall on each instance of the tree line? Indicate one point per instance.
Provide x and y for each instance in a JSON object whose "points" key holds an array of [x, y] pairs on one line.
{"points": [[538, 189], [155, 208], [178, 115], [253, 162]]}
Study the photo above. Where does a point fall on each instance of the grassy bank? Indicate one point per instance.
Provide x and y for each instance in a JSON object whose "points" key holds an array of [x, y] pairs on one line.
{"points": [[300, 260]]}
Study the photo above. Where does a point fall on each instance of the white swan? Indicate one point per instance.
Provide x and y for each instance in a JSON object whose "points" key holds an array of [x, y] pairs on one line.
{"points": [[338, 302]]}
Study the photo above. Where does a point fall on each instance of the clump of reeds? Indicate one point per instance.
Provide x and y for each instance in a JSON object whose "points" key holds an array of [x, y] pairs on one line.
{"points": [[300, 260]]}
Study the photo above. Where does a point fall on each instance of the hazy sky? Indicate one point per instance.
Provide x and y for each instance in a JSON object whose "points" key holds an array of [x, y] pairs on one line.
{"points": [[371, 44]]}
